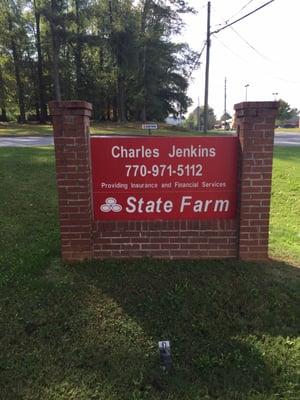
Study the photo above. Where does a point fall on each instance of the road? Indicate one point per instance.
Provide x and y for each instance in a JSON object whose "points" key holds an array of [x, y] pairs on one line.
{"points": [[26, 141], [287, 139], [281, 139]]}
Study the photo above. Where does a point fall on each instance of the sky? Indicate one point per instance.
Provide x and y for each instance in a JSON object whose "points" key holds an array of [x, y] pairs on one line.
{"points": [[273, 66]]}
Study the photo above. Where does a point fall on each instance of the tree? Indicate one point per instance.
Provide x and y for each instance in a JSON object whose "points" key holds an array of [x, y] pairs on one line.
{"points": [[118, 54], [225, 117], [193, 118], [164, 67], [285, 112], [41, 86], [8, 101], [55, 12], [3, 116], [14, 38], [123, 48]]}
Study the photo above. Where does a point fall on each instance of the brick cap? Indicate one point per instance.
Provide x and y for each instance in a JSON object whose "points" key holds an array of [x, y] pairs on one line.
{"points": [[70, 107], [269, 105]]}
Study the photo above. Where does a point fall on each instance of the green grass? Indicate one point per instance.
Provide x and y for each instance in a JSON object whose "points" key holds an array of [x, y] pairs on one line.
{"points": [[105, 128], [285, 212], [288, 130], [13, 129], [90, 331], [136, 129]]}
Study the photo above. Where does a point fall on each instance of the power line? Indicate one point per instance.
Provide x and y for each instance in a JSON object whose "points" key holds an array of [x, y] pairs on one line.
{"points": [[209, 33], [230, 49], [287, 80], [235, 14], [244, 16], [243, 39], [264, 72], [197, 60], [200, 54], [250, 45], [234, 30]]}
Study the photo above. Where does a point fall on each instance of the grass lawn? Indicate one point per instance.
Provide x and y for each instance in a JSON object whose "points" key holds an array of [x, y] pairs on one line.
{"points": [[285, 206], [105, 128], [90, 331], [109, 128], [288, 130], [13, 129]]}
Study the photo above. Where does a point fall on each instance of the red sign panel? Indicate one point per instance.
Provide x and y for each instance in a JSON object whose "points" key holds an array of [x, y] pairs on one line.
{"points": [[163, 178]]}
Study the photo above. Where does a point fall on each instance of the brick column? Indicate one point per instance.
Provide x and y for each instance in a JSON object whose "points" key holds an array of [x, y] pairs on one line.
{"points": [[255, 123], [72, 150]]}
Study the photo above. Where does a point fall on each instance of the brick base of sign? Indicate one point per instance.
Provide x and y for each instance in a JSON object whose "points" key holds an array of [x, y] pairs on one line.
{"points": [[167, 239], [245, 237]]}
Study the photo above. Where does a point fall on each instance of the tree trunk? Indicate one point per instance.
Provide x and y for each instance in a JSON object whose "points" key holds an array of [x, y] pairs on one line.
{"points": [[143, 62], [120, 86], [101, 54], [41, 87], [3, 117], [67, 87], [78, 53], [108, 110], [55, 52], [121, 99], [115, 109], [37, 111], [144, 90], [20, 89]]}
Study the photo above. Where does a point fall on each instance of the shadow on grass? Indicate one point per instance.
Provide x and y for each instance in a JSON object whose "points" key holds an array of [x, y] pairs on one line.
{"points": [[91, 330], [221, 317]]}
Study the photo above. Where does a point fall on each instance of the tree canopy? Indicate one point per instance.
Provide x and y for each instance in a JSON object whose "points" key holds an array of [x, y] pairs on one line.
{"points": [[117, 54], [285, 112], [225, 116], [195, 119]]}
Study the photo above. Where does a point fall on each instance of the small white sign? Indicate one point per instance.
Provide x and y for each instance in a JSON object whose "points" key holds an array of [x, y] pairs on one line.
{"points": [[164, 345], [149, 126]]}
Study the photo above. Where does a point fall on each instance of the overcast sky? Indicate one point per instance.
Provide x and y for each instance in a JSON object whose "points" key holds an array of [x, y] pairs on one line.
{"points": [[274, 65]]}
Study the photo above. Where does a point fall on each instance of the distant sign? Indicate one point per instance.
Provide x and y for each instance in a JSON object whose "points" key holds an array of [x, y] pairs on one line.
{"points": [[149, 126], [166, 178]]}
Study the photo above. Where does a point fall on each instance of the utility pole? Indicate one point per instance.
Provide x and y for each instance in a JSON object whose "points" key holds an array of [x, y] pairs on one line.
{"points": [[225, 100], [207, 70], [208, 42], [198, 115]]}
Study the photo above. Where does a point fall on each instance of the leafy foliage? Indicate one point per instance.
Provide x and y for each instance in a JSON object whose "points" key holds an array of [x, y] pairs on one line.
{"points": [[196, 118], [117, 54], [225, 116], [285, 112]]}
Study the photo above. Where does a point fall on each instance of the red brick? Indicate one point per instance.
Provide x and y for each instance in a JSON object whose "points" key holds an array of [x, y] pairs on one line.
{"points": [[162, 239], [255, 121], [151, 246], [111, 247], [171, 246]]}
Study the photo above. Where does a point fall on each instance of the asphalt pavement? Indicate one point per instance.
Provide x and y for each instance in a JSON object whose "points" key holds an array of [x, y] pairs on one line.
{"points": [[26, 141], [281, 139], [287, 139]]}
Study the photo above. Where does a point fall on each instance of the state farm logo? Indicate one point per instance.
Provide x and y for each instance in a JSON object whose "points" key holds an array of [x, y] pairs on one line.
{"points": [[110, 205]]}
